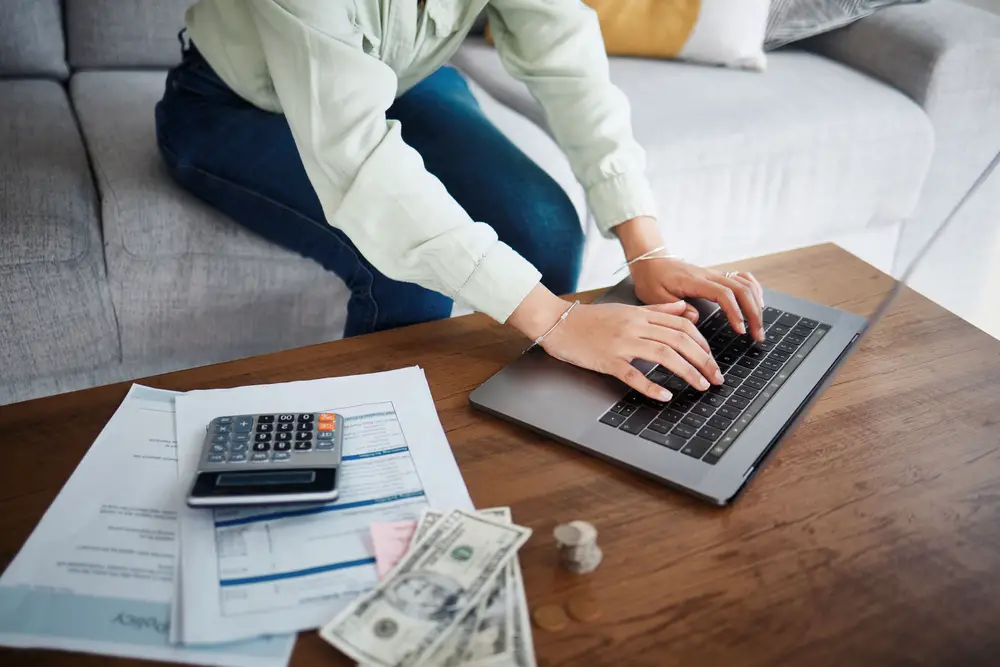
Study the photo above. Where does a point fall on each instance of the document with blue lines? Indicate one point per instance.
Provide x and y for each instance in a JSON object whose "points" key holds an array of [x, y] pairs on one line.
{"points": [[257, 571]]}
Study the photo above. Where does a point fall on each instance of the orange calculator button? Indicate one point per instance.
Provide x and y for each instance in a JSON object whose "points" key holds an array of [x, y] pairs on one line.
{"points": [[325, 426], [327, 417]]}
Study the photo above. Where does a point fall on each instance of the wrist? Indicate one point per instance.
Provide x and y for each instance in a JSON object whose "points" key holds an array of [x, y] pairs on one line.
{"points": [[537, 312], [639, 236]]}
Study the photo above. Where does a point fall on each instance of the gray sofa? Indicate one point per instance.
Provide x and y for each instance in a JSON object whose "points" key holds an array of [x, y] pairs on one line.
{"points": [[108, 271]]}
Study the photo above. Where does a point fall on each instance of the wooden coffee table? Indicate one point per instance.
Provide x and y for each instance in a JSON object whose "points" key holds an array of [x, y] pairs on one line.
{"points": [[871, 538]]}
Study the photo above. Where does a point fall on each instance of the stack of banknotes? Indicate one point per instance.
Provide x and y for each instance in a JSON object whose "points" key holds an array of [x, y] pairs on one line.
{"points": [[455, 598]]}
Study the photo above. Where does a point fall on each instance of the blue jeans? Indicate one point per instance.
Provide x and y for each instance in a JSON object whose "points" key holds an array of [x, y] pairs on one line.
{"points": [[243, 161]]}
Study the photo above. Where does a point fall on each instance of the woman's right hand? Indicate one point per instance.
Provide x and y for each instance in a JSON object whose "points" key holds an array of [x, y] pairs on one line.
{"points": [[607, 337]]}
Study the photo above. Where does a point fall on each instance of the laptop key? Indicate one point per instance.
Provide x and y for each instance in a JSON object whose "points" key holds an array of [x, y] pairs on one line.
{"points": [[755, 353], [696, 448], [793, 339], [627, 409], [634, 397], [740, 371], [720, 423], [771, 364], [747, 363], [747, 392], [733, 380], [787, 347], [740, 345], [637, 422], [668, 441], [756, 383], [773, 337], [763, 373], [779, 355], [771, 314], [722, 390], [779, 329], [694, 421], [660, 426], [738, 402], [703, 410], [808, 324], [710, 434], [682, 405], [727, 357], [788, 320], [657, 377], [801, 331], [717, 450], [728, 411], [683, 431], [675, 384], [671, 416], [713, 400]]}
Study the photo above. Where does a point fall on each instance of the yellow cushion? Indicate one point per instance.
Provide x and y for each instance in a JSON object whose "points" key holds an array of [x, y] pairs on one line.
{"points": [[645, 28]]}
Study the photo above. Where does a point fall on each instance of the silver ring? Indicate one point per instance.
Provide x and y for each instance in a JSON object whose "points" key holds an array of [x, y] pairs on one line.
{"points": [[732, 274]]}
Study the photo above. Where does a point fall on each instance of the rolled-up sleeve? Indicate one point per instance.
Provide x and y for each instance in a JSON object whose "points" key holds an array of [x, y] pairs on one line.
{"points": [[555, 47], [371, 184]]}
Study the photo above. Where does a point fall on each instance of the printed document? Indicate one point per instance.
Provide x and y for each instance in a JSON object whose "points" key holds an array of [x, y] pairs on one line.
{"points": [[97, 574], [283, 569]]}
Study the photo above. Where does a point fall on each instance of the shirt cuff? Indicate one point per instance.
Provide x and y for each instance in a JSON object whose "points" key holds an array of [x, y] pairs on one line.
{"points": [[499, 283], [619, 199]]}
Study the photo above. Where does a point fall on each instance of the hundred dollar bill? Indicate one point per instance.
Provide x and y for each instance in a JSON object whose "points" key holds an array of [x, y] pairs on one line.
{"points": [[406, 616]]}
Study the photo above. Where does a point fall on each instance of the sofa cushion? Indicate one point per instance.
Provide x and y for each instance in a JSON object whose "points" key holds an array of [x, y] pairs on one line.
{"points": [[31, 39], [802, 152], [124, 33], [186, 281], [55, 308]]}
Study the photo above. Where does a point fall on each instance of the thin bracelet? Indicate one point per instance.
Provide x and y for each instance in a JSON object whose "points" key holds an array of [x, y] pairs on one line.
{"points": [[651, 254], [562, 318]]}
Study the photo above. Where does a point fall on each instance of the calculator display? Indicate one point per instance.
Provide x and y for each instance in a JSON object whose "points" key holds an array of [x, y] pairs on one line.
{"points": [[266, 478]]}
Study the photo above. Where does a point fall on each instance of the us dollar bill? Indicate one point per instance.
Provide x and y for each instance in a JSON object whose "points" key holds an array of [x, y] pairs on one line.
{"points": [[444, 575]]}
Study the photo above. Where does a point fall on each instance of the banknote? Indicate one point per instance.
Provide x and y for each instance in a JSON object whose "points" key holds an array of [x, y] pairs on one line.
{"points": [[444, 576]]}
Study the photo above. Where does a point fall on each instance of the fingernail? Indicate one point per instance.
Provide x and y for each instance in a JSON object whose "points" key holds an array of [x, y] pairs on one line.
{"points": [[718, 377], [703, 384], [741, 327], [665, 395]]}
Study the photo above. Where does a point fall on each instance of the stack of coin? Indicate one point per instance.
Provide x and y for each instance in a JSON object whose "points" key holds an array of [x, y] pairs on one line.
{"points": [[578, 550]]}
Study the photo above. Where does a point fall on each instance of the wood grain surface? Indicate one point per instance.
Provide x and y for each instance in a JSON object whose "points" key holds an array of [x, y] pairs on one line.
{"points": [[872, 537]]}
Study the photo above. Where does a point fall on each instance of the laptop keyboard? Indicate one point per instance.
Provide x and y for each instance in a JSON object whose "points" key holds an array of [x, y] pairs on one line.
{"points": [[704, 425]]}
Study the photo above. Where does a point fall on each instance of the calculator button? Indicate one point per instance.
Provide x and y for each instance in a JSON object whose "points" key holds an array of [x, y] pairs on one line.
{"points": [[325, 444], [301, 436], [265, 419], [286, 418], [240, 457], [240, 437], [220, 438], [218, 449], [215, 458], [281, 456], [324, 435], [262, 437], [238, 447], [261, 446], [303, 446], [325, 427], [305, 418], [327, 417], [223, 428], [283, 437], [307, 426], [224, 420], [265, 428], [282, 446], [286, 427], [243, 424], [259, 458]]}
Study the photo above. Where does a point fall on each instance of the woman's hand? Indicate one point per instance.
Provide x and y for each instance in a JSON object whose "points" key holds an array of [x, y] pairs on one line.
{"points": [[668, 280], [607, 337]]}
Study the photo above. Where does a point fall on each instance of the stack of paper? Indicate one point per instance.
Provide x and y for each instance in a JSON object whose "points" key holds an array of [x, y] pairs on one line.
{"points": [[246, 578]]}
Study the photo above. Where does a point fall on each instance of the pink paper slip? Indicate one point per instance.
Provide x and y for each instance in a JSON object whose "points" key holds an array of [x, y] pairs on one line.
{"points": [[390, 541]]}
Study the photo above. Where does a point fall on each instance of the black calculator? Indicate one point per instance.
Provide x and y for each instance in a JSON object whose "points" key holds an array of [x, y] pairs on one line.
{"points": [[269, 459]]}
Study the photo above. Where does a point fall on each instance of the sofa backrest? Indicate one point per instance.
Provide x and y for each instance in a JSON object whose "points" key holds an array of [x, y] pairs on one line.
{"points": [[123, 33], [31, 39]]}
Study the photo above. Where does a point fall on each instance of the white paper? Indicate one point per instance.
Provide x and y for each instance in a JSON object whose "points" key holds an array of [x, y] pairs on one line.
{"points": [[253, 571], [97, 573]]}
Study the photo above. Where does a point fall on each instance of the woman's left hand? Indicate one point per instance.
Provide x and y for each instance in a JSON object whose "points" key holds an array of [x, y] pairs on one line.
{"points": [[668, 280]]}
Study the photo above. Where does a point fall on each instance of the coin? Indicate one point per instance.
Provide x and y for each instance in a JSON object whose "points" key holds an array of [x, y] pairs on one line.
{"points": [[584, 609], [550, 618], [575, 533]]}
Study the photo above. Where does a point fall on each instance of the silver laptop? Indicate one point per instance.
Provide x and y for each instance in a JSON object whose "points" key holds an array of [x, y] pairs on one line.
{"points": [[710, 443]]}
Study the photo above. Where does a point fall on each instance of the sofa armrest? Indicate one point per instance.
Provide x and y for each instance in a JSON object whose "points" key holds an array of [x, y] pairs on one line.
{"points": [[945, 56], [932, 52]]}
